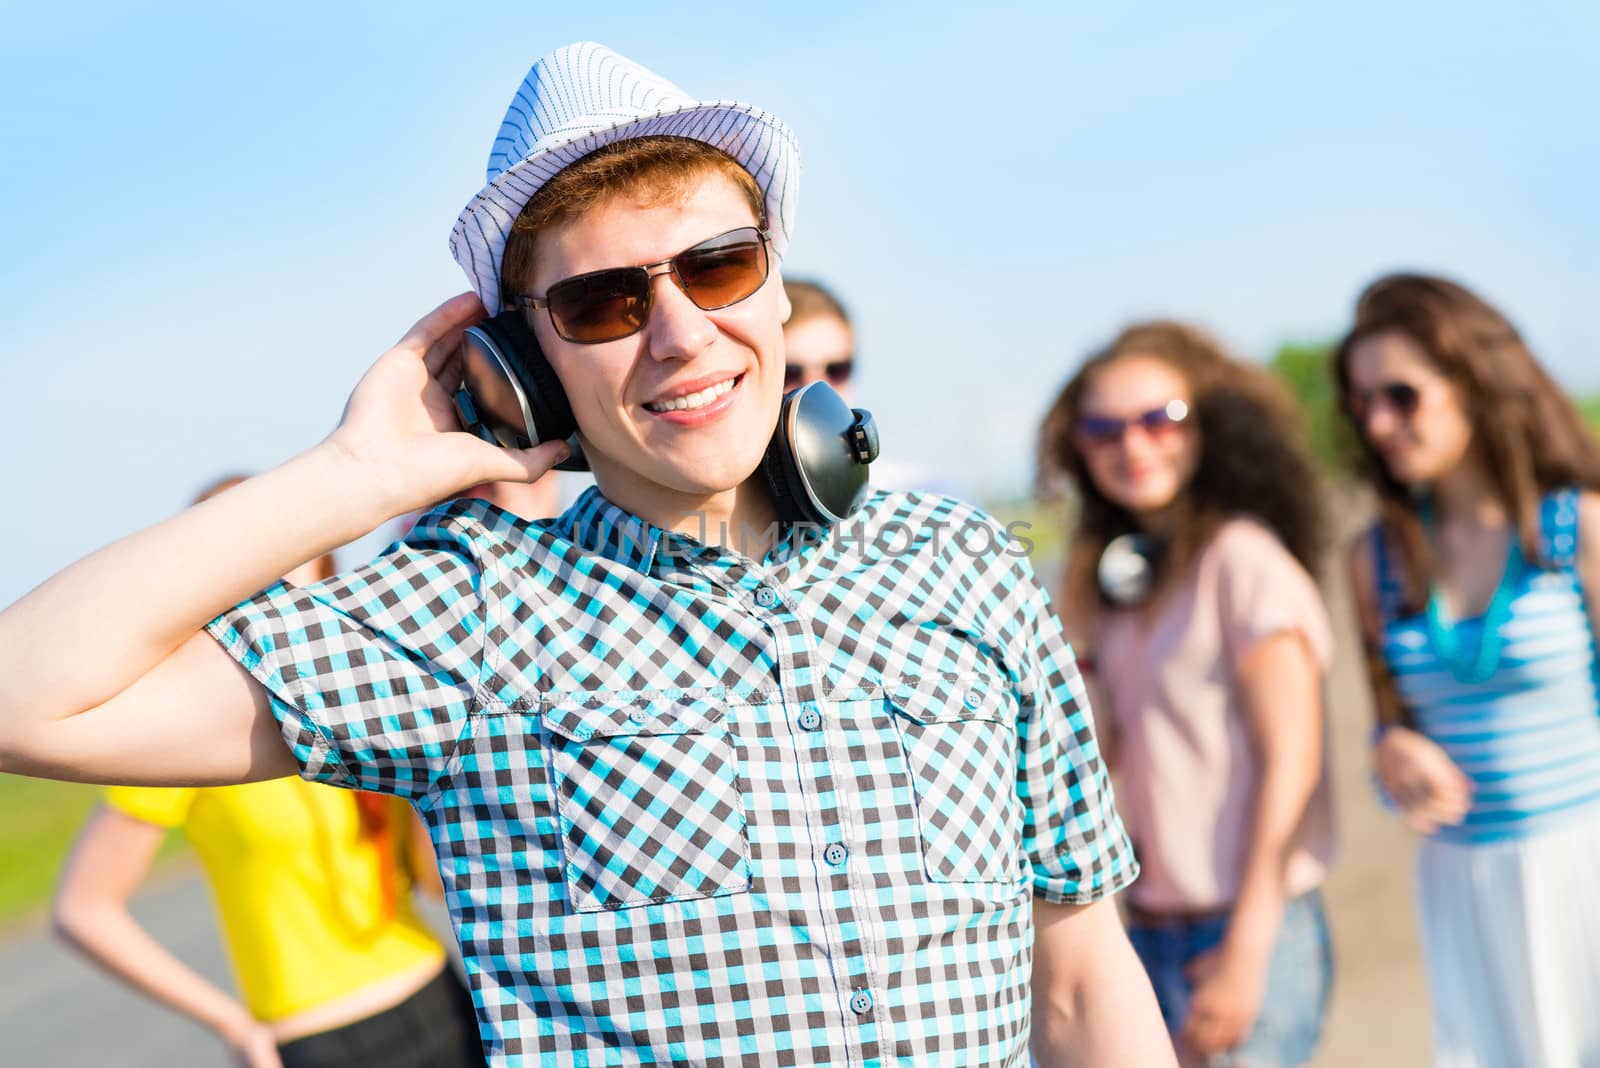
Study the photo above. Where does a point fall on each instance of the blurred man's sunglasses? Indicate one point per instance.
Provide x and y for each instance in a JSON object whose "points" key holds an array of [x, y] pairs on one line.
{"points": [[837, 372]]}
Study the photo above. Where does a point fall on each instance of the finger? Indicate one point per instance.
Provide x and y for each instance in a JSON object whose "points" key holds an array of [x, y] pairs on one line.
{"points": [[537, 461], [446, 348], [449, 372], [1420, 824], [457, 313], [1423, 819], [1442, 812], [1197, 1032], [517, 465]]}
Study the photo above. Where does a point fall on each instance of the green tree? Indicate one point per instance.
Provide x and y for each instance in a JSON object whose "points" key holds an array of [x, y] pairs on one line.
{"points": [[1590, 408], [1305, 369]]}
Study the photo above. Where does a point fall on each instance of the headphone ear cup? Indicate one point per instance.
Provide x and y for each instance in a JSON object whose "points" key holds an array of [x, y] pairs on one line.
{"points": [[547, 400], [780, 467], [788, 496]]}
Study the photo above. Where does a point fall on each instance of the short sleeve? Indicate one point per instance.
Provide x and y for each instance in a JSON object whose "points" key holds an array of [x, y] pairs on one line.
{"points": [[164, 806], [373, 674], [1072, 833], [1264, 591]]}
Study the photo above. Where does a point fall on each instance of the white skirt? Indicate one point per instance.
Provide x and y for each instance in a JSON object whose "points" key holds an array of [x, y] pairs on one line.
{"points": [[1511, 937]]}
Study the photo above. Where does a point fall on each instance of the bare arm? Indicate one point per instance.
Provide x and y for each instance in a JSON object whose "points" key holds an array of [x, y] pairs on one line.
{"points": [[1092, 1003], [108, 861], [1414, 772], [104, 674], [1282, 688]]}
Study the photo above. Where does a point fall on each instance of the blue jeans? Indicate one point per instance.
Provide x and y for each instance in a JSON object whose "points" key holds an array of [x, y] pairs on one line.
{"points": [[1299, 978]]}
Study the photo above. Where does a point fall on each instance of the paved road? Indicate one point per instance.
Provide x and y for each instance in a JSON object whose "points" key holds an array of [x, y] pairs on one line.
{"points": [[57, 1011]]}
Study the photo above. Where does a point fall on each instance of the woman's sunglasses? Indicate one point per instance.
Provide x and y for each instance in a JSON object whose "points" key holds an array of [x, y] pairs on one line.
{"points": [[1101, 430], [1402, 397], [837, 372], [607, 305]]}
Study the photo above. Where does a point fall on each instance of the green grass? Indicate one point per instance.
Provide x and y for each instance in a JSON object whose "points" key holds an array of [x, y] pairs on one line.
{"points": [[38, 820]]}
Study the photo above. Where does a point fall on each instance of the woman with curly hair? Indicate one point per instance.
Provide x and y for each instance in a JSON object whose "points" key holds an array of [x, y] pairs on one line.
{"points": [[1189, 596], [1477, 594]]}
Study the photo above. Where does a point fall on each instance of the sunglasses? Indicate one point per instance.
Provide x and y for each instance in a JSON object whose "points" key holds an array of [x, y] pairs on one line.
{"points": [[1402, 397], [613, 303], [1100, 430], [837, 372]]}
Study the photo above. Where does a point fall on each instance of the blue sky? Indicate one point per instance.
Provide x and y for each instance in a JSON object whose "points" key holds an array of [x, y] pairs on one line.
{"points": [[215, 219]]}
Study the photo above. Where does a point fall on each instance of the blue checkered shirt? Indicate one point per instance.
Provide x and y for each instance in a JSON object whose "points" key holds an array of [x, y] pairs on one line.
{"points": [[694, 809]]}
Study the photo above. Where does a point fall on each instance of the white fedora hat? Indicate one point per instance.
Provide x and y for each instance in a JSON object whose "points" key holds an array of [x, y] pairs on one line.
{"points": [[584, 96]]}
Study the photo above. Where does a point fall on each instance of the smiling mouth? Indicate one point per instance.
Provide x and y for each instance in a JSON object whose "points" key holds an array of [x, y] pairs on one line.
{"points": [[692, 401]]}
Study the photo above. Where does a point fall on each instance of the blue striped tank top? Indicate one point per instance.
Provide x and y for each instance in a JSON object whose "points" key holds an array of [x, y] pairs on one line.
{"points": [[1524, 727]]}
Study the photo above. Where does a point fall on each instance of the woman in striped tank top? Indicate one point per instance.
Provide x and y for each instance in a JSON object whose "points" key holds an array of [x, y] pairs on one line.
{"points": [[1478, 588]]}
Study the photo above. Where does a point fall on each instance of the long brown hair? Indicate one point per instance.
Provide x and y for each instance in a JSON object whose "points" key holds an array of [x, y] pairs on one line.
{"points": [[1251, 462], [1525, 430]]}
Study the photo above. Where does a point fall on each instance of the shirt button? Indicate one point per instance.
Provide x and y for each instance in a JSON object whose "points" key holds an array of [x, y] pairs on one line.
{"points": [[835, 854], [766, 596], [583, 732], [861, 1003], [973, 699], [810, 720], [638, 715]]}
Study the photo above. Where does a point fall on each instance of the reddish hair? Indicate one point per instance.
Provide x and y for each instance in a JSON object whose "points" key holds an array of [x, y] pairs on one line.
{"points": [[656, 170]]}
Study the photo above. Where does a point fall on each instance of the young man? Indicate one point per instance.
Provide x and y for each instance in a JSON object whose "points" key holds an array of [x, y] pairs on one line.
{"points": [[815, 801], [819, 342], [819, 345]]}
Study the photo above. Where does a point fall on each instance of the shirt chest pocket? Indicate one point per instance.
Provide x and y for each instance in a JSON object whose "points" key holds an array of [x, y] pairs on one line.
{"points": [[648, 795], [959, 737]]}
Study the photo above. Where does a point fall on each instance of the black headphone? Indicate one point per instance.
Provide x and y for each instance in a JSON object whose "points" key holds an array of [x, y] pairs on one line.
{"points": [[815, 466], [1127, 569]]}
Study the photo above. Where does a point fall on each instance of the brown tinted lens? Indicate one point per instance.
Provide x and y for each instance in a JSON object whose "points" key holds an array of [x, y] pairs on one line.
{"points": [[839, 371], [602, 306], [723, 270]]}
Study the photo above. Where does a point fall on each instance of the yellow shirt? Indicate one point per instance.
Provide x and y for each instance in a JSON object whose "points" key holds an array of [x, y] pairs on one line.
{"points": [[296, 885]]}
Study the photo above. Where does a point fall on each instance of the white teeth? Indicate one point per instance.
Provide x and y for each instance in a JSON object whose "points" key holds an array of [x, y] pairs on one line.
{"points": [[693, 400]]}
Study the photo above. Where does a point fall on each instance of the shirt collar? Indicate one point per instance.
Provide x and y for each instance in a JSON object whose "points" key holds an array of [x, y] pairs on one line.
{"points": [[596, 525]]}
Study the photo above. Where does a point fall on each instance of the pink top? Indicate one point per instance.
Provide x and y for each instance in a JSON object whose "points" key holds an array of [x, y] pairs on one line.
{"points": [[1184, 765]]}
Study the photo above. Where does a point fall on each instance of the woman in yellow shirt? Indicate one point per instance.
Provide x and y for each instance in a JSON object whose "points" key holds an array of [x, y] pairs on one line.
{"points": [[312, 888]]}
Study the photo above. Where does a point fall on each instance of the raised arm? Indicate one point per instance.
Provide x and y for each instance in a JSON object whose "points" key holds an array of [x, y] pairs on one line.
{"points": [[105, 674]]}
